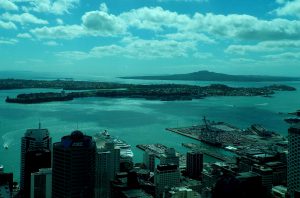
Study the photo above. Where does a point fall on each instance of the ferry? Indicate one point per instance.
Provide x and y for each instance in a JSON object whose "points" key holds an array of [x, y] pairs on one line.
{"points": [[125, 149]]}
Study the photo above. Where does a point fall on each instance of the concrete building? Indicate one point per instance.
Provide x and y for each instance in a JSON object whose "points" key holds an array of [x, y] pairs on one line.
{"points": [[293, 173], [41, 184], [107, 166], [266, 178], [73, 171], [181, 192], [35, 154], [166, 176], [194, 164], [149, 160], [170, 157]]}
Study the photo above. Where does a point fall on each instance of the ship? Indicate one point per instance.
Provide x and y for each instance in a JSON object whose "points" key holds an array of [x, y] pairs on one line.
{"points": [[5, 146], [125, 149]]}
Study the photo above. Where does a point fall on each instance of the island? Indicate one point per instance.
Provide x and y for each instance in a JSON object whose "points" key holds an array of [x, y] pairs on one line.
{"points": [[163, 92], [213, 76]]}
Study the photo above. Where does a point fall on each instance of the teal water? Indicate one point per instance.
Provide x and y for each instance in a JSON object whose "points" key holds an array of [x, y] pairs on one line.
{"points": [[137, 121]]}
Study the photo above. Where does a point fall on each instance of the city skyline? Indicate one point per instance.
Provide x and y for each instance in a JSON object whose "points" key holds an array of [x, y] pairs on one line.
{"points": [[113, 38]]}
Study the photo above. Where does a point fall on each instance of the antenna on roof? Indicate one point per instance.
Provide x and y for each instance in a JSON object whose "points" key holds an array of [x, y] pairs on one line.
{"points": [[40, 125]]}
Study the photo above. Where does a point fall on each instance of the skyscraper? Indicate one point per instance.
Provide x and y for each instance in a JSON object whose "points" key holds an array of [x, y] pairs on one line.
{"points": [[293, 173], [107, 166], [35, 154], [166, 176], [149, 160], [194, 164], [41, 184], [73, 166]]}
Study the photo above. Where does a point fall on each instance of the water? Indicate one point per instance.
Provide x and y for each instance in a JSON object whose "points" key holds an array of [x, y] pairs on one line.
{"points": [[137, 121]]}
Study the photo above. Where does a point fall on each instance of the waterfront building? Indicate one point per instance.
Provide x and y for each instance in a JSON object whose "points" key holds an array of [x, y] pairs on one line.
{"points": [[41, 184], [73, 166], [293, 173], [149, 160], [107, 166], [35, 154], [170, 157], [194, 164], [166, 176]]}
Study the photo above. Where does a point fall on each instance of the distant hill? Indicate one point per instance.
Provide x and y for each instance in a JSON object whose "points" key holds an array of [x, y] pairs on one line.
{"points": [[212, 76]]}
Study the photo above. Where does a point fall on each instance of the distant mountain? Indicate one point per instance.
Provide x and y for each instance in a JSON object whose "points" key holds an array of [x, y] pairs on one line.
{"points": [[212, 76]]}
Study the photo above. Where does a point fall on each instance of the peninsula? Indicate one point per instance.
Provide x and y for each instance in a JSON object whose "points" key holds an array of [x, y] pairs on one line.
{"points": [[164, 92], [212, 76]]}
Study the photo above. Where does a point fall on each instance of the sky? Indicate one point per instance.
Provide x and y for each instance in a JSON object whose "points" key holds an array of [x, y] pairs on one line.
{"points": [[146, 37]]}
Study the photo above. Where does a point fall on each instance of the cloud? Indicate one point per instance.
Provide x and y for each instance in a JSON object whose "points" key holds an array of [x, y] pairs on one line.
{"points": [[57, 7], [289, 8], [245, 27], [23, 18], [102, 23], [285, 56], [266, 46], [8, 5], [135, 48], [192, 36], [7, 25], [24, 35], [199, 1], [8, 41], [155, 18], [59, 32], [59, 21], [51, 43]]}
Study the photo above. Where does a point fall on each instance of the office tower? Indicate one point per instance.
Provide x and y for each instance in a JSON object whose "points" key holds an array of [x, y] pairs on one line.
{"points": [[194, 164], [35, 154], [293, 173], [107, 166], [170, 157], [266, 178], [41, 184], [73, 166], [149, 160], [166, 176]]}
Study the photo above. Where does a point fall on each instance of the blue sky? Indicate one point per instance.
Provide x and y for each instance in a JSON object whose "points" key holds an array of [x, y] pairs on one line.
{"points": [[141, 37]]}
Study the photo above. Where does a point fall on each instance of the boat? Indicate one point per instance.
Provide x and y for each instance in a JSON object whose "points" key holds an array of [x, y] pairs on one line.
{"points": [[125, 149], [5, 146]]}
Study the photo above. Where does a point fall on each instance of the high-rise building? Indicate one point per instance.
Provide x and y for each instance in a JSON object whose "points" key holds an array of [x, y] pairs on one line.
{"points": [[73, 170], [107, 166], [170, 157], [41, 184], [166, 176], [194, 164], [6, 183], [293, 173], [149, 160], [35, 154]]}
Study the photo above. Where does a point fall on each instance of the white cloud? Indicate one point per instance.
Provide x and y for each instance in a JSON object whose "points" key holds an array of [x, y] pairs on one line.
{"points": [[192, 36], [7, 25], [266, 46], [285, 56], [136, 49], [57, 7], [245, 27], [23, 18], [51, 43], [8, 5], [103, 7], [59, 21], [102, 23], [155, 18], [59, 32], [24, 35], [202, 55], [8, 41], [289, 8]]}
